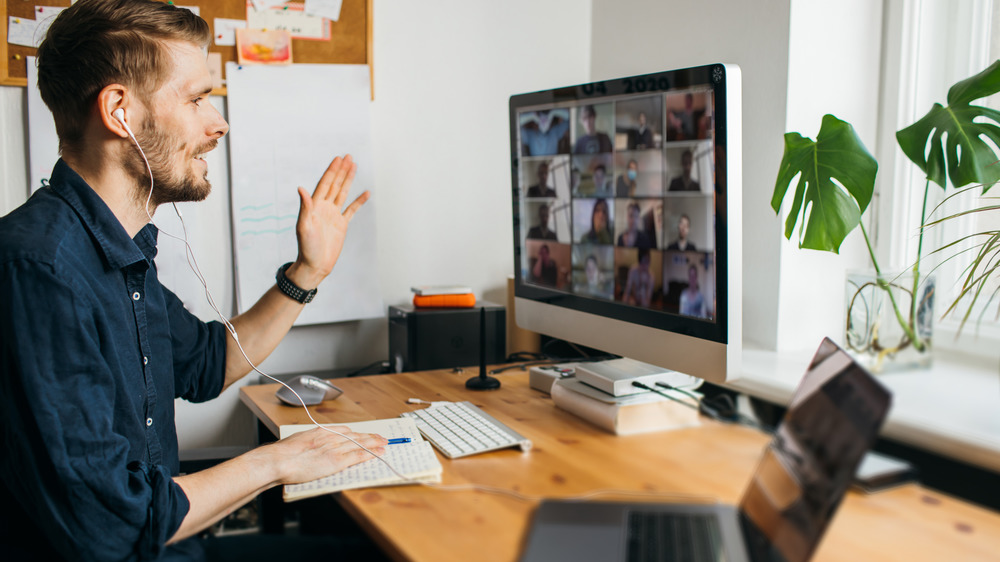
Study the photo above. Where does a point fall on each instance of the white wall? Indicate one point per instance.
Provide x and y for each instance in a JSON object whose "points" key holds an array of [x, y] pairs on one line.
{"points": [[636, 36], [829, 71]]}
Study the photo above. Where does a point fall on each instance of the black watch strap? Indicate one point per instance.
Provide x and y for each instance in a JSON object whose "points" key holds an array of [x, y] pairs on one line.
{"points": [[291, 290]]}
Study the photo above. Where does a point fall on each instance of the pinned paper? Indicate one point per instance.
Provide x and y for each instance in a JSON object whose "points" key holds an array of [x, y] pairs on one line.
{"points": [[329, 9], [257, 46], [195, 9], [290, 17], [44, 16], [21, 31], [224, 31], [266, 4]]}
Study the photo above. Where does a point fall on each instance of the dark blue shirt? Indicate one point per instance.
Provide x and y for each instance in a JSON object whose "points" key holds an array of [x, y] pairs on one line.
{"points": [[93, 351]]}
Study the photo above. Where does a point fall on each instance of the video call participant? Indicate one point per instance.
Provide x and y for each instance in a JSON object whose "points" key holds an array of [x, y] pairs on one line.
{"points": [[545, 271], [541, 230], [641, 137], [684, 182], [593, 141], [600, 229], [634, 237], [682, 244], [639, 283], [602, 186], [684, 120], [545, 135], [626, 184], [542, 189], [95, 349], [692, 301], [597, 283]]}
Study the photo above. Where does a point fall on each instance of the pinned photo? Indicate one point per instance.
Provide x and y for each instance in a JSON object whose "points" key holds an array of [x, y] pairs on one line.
{"points": [[258, 46]]}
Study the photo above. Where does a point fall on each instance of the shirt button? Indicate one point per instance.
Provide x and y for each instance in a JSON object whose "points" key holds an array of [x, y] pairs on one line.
{"points": [[136, 296], [149, 422], [145, 360]]}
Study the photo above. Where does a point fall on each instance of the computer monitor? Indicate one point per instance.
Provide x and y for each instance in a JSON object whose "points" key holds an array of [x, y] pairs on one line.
{"points": [[626, 208]]}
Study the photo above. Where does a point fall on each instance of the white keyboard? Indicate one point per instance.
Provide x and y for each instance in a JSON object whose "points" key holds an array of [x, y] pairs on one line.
{"points": [[460, 429]]}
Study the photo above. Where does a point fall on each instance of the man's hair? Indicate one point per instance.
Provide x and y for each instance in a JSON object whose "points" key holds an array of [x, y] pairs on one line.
{"points": [[95, 43]]}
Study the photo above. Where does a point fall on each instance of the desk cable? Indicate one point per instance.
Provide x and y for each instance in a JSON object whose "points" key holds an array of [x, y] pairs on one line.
{"points": [[708, 407]]}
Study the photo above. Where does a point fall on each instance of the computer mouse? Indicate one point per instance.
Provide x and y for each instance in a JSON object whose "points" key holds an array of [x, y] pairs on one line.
{"points": [[312, 390]]}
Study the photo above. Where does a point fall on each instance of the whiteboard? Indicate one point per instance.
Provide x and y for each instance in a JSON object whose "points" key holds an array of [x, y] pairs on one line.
{"points": [[43, 143], [279, 142]]}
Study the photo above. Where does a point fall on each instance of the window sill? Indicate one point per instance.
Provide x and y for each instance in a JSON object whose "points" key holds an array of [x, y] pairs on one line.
{"points": [[951, 409]]}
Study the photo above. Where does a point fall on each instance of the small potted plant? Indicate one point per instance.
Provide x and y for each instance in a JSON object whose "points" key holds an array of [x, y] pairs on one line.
{"points": [[836, 180]]}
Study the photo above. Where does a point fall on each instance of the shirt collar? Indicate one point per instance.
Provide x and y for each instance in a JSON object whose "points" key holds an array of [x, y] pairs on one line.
{"points": [[110, 236]]}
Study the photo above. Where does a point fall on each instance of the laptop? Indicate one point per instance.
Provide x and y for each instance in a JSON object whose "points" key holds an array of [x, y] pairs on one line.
{"points": [[799, 482]]}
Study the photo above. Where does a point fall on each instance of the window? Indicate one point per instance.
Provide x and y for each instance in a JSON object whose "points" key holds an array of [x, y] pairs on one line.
{"points": [[928, 46]]}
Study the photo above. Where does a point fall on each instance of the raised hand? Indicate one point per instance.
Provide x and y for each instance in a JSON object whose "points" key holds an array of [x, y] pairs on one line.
{"points": [[323, 221]]}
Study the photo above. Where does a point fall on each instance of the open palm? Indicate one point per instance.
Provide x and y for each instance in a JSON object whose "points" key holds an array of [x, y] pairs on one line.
{"points": [[323, 220]]}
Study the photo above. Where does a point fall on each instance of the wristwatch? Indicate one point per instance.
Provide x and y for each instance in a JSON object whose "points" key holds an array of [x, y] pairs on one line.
{"points": [[291, 290]]}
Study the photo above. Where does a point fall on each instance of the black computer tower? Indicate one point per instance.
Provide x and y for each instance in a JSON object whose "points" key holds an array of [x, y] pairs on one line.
{"points": [[421, 339]]}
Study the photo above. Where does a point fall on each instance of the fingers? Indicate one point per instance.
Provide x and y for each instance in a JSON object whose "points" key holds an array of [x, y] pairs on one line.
{"points": [[344, 183], [353, 207], [336, 180]]}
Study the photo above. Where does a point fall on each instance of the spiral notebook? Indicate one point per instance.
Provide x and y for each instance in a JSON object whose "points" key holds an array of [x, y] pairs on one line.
{"points": [[416, 460]]}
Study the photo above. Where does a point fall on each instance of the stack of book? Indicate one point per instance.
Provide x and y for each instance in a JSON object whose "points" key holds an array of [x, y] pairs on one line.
{"points": [[443, 296], [603, 394]]}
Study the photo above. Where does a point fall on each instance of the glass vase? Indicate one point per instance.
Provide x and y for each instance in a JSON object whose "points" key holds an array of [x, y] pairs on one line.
{"points": [[884, 331]]}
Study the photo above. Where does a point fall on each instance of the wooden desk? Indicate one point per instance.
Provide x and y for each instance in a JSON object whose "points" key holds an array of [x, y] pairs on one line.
{"points": [[571, 457]]}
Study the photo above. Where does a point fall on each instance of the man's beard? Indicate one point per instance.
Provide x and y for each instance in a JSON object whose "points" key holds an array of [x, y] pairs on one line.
{"points": [[168, 186]]}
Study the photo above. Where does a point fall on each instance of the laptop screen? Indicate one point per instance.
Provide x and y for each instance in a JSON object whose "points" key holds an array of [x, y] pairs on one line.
{"points": [[832, 421]]}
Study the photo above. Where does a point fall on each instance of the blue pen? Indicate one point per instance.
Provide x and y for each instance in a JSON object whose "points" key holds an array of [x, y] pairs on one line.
{"points": [[399, 440]]}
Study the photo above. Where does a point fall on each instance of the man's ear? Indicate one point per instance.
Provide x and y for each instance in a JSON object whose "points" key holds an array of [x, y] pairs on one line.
{"points": [[111, 99]]}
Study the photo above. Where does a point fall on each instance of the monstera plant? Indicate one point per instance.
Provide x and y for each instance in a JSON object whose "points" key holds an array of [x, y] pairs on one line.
{"points": [[836, 180]]}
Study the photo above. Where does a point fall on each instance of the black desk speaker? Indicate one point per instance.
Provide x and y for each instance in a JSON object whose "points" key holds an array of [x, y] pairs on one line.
{"points": [[421, 339]]}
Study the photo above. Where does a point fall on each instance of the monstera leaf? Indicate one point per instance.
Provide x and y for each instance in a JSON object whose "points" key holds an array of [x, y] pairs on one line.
{"points": [[836, 180], [955, 135]]}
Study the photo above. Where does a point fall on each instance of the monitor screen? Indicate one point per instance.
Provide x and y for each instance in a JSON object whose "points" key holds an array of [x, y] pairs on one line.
{"points": [[626, 216]]}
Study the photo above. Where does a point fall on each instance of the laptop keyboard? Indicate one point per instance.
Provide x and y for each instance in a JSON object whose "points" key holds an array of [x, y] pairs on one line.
{"points": [[676, 537]]}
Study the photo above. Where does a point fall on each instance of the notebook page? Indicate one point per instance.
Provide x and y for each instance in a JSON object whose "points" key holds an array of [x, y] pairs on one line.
{"points": [[417, 460]]}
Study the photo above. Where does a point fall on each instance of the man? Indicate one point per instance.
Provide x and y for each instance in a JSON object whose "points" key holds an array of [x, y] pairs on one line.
{"points": [[682, 244], [685, 182], [639, 283], [641, 137], [541, 230], [94, 349], [542, 189], [627, 182], [545, 270], [602, 187], [634, 237], [592, 141], [545, 135], [682, 122]]}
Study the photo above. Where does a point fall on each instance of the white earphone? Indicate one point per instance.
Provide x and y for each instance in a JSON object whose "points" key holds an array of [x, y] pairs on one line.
{"points": [[119, 114]]}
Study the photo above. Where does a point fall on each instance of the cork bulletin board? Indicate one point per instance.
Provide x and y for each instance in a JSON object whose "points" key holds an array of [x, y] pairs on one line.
{"points": [[350, 36]]}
